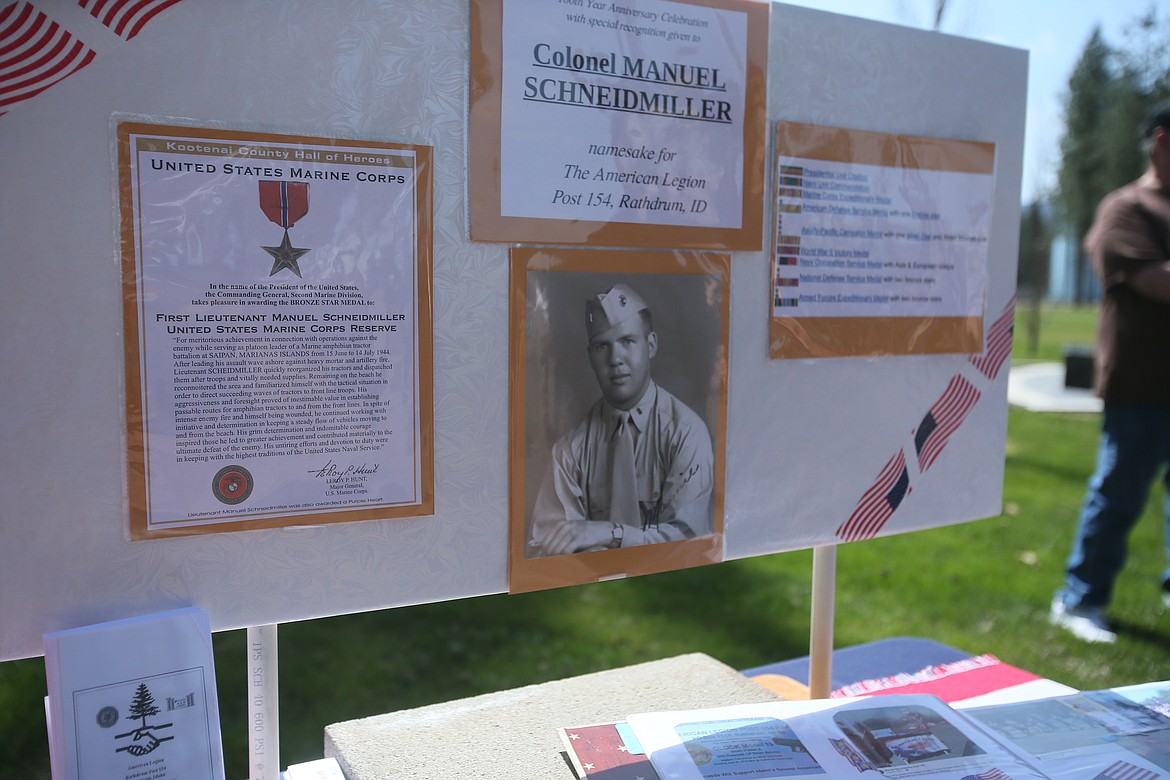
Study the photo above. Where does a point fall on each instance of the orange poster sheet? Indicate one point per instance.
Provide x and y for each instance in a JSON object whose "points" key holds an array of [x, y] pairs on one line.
{"points": [[880, 243], [638, 123]]}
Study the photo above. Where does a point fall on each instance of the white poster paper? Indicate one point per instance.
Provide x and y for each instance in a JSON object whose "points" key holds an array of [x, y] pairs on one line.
{"points": [[881, 243], [647, 98], [876, 241]]}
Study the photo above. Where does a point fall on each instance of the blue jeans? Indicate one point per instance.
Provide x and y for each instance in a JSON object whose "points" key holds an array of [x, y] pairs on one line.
{"points": [[1134, 450]]}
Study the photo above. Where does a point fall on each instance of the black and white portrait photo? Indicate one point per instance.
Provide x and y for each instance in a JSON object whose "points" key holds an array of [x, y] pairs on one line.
{"points": [[623, 397]]}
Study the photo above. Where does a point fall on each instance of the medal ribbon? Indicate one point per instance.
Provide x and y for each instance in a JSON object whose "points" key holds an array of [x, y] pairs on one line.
{"points": [[284, 202]]}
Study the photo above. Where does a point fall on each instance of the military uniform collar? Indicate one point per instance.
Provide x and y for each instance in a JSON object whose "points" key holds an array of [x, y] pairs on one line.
{"points": [[639, 412]]}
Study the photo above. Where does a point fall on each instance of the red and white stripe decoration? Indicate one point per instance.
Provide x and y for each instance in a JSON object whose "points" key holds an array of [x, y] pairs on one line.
{"points": [[35, 53], [895, 482], [878, 503], [946, 416], [954, 681], [125, 17], [994, 774], [999, 343], [1123, 770]]}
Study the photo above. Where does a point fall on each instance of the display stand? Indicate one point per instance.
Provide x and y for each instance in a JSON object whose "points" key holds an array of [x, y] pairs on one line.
{"points": [[263, 704], [820, 646], [409, 84]]}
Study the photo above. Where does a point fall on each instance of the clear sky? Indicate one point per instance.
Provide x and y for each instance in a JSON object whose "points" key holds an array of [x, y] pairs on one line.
{"points": [[1053, 32]]}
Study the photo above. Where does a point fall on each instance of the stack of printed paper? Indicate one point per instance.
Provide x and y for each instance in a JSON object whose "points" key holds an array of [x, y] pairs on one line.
{"points": [[134, 700]]}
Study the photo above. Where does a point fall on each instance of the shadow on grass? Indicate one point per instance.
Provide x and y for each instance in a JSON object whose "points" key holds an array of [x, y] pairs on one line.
{"points": [[1154, 637], [344, 668], [1039, 466]]}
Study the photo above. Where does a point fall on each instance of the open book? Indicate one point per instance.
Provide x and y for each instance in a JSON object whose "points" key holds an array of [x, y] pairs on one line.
{"points": [[1121, 734]]}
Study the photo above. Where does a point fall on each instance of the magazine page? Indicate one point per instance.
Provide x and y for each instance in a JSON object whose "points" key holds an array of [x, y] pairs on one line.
{"points": [[905, 736], [1114, 734], [750, 741], [883, 737], [1154, 695]]}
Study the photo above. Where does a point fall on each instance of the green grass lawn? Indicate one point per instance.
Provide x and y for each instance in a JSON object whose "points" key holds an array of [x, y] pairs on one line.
{"points": [[1042, 333], [981, 587]]}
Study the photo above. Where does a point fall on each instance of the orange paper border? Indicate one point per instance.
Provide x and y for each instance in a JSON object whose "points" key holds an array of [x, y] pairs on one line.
{"points": [[135, 403], [810, 337], [529, 574], [483, 168]]}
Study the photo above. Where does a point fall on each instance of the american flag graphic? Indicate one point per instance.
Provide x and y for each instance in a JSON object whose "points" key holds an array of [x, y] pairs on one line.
{"points": [[879, 502], [943, 419], [600, 753], [1123, 770], [125, 17], [35, 53], [999, 343], [990, 774], [892, 486]]}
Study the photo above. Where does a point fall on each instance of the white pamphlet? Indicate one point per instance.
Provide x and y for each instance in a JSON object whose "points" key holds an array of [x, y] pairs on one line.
{"points": [[134, 699]]}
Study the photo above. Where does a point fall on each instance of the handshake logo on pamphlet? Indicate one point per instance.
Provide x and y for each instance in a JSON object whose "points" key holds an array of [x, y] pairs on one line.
{"points": [[143, 739]]}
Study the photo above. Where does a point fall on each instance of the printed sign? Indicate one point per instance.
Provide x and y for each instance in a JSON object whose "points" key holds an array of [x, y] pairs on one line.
{"points": [[880, 243], [603, 123]]}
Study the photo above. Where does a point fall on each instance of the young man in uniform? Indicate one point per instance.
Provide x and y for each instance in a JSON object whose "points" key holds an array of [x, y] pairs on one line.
{"points": [[638, 468]]}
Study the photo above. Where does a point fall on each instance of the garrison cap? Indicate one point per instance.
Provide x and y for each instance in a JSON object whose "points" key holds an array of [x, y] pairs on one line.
{"points": [[604, 310]]}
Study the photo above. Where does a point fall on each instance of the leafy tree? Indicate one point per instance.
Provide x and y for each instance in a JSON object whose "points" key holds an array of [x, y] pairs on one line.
{"points": [[1147, 54], [1032, 270], [1081, 180], [1142, 81], [1109, 93]]}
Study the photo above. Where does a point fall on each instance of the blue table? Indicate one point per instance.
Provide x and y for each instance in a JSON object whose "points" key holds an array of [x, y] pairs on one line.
{"points": [[872, 660]]}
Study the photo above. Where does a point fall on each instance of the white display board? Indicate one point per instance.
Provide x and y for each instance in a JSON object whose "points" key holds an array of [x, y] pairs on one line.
{"points": [[810, 443]]}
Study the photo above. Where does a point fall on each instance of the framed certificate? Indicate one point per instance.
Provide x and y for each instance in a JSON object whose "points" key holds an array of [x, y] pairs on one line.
{"points": [[277, 329]]}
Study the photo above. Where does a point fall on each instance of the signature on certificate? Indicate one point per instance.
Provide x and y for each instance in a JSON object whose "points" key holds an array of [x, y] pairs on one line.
{"points": [[333, 470]]}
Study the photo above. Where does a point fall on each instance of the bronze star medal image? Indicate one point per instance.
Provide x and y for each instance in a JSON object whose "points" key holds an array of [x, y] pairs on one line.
{"points": [[284, 202], [277, 308]]}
